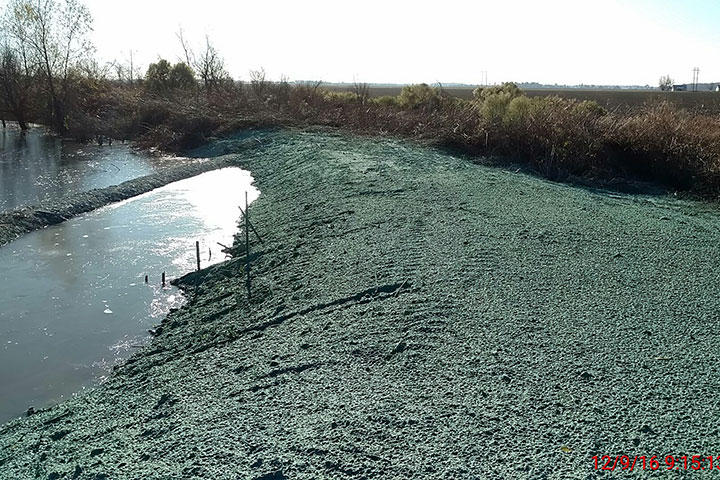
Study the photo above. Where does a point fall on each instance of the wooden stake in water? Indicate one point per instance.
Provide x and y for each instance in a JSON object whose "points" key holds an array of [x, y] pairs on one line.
{"points": [[197, 254], [247, 246], [146, 279], [163, 279]]}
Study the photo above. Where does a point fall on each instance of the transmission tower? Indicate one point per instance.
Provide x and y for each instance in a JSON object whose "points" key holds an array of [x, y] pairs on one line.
{"points": [[696, 78]]}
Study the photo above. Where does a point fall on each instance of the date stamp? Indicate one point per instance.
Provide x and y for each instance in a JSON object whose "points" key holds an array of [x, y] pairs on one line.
{"points": [[655, 462]]}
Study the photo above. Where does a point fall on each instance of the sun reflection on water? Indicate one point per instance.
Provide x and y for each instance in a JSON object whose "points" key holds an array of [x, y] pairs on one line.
{"points": [[95, 308]]}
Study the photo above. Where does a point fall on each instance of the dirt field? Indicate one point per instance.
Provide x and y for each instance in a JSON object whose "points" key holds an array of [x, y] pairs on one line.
{"points": [[415, 316], [623, 100]]}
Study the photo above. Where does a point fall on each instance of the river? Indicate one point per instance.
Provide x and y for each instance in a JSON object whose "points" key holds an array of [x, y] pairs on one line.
{"points": [[36, 166], [74, 300]]}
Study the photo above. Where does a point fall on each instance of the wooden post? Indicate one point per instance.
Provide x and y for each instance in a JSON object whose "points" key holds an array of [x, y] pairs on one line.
{"points": [[197, 254], [247, 246], [163, 279], [252, 227], [146, 279]]}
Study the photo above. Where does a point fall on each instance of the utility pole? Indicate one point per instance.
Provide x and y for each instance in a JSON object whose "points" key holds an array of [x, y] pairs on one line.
{"points": [[483, 78], [696, 78]]}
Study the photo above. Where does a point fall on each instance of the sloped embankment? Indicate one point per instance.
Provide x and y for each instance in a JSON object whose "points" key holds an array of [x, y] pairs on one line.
{"points": [[415, 316]]}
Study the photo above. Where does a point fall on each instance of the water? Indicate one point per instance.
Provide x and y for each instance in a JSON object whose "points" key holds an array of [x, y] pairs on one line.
{"points": [[74, 301], [36, 166]]}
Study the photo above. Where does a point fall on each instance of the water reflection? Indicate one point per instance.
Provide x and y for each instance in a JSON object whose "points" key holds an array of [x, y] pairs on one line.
{"points": [[74, 300], [36, 166]]}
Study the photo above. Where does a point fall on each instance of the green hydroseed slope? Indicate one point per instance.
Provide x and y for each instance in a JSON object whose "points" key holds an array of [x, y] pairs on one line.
{"points": [[414, 316]]}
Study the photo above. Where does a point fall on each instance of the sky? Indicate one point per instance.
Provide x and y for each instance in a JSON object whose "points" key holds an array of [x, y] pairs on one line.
{"points": [[603, 42]]}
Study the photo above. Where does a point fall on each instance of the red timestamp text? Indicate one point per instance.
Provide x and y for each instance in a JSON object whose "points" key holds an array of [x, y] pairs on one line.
{"points": [[656, 462]]}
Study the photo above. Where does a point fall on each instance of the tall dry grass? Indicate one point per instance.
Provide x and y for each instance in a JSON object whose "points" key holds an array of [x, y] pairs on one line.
{"points": [[556, 136]]}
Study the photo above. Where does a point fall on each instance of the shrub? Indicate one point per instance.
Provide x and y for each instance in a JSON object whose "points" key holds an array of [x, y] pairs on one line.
{"points": [[507, 89], [152, 113], [341, 97], [591, 108], [157, 76], [385, 101], [558, 135], [181, 76], [162, 77], [517, 111], [421, 95], [674, 146], [493, 102]]}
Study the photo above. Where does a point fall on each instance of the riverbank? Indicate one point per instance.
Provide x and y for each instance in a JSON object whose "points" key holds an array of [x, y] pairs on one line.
{"points": [[414, 315], [15, 223]]}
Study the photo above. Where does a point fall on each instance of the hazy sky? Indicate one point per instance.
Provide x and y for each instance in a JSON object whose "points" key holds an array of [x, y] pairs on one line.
{"points": [[551, 41]]}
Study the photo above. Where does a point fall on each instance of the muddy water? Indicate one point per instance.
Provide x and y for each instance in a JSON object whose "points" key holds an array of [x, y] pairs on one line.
{"points": [[74, 301], [36, 166]]}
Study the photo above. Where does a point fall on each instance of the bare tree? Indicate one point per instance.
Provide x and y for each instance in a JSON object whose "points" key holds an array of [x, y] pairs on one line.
{"points": [[54, 33], [362, 91], [133, 70], [187, 50], [311, 85], [283, 90], [125, 71], [15, 85], [94, 70], [211, 67], [308, 90], [258, 82], [119, 69], [666, 83]]}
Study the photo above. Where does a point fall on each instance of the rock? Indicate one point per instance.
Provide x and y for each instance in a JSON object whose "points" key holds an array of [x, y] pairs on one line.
{"points": [[646, 429]]}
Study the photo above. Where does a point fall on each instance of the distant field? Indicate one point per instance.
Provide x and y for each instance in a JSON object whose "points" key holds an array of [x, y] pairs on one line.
{"points": [[623, 100], [706, 102]]}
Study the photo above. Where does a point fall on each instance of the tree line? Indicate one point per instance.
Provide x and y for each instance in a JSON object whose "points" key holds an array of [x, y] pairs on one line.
{"points": [[48, 65], [44, 47]]}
